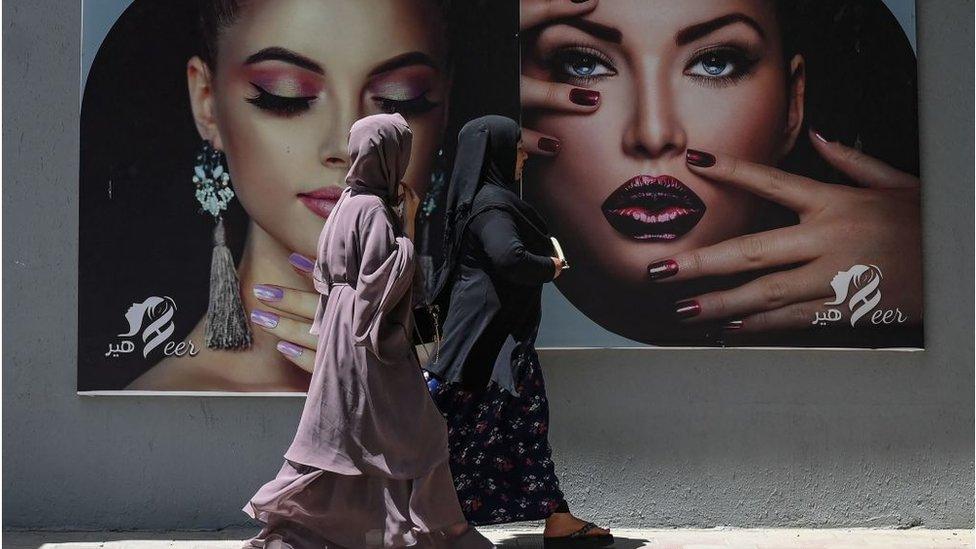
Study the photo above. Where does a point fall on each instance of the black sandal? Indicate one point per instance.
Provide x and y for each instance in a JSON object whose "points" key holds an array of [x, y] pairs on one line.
{"points": [[578, 538]]}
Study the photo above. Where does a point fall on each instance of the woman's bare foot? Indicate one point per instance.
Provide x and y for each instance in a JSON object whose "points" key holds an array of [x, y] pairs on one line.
{"points": [[564, 524]]}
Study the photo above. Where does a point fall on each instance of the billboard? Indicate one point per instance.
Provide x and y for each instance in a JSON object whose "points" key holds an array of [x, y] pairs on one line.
{"points": [[745, 175]]}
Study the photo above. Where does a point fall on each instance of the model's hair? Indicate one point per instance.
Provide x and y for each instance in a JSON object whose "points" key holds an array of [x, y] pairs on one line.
{"points": [[861, 78], [216, 15], [860, 87]]}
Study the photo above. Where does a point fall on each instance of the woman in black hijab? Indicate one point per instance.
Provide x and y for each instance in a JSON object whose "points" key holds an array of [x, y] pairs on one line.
{"points": [[485, 376]]}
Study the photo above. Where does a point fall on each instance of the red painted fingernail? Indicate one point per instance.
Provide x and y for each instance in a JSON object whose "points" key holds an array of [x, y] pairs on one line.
{"points": [[549, 145], [586, 98], [687, 308], [700, 158], [820, 136], [662, 269], [733, 325]]}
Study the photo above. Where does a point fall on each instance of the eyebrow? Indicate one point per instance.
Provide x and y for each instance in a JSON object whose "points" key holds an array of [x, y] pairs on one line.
{"points": [[299, 60], [404, 60], [286, 55], [597, 30], [694, 32]]}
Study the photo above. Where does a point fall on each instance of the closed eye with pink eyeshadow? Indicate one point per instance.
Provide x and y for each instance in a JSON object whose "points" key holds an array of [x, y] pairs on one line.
{"points": [[407, 90], [285, 92]]}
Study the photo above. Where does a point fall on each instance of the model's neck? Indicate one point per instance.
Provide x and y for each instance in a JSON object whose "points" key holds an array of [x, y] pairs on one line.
{"points": [[265, 261]]}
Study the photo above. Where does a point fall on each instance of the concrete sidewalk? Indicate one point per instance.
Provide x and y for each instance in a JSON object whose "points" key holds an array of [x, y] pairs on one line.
{"points": [[531, 539]]}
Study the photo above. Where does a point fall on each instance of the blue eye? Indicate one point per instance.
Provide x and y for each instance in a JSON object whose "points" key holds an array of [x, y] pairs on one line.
{"points": [[723, 64], [581, 65], [712, 65], [585, 66], [716, 66]]}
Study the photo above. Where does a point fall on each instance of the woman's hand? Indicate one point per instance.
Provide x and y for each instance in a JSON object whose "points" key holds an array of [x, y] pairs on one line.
{"points": [[877, 224], [539, 94], [558, 264], [411, 203], [295, 341]]}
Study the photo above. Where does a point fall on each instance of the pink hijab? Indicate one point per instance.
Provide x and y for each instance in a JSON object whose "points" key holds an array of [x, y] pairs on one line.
{"points": [[379, 152]]}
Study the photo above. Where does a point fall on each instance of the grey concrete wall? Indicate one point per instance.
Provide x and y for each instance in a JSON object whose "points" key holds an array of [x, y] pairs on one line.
{"points": [[666, 438]]}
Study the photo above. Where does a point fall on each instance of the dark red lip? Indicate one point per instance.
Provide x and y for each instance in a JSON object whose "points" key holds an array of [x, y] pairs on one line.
{"points": [[649, 208], [321, 201]]}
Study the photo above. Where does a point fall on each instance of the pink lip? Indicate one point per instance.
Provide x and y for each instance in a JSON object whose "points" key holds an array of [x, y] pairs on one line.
{"points": [[321, 201], [653, 208]]}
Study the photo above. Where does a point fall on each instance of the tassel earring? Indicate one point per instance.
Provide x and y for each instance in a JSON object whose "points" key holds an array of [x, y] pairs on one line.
{"points": [[227, 324]]}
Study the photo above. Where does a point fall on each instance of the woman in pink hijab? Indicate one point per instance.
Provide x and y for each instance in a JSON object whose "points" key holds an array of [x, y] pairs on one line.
{"points": [[369, 464]]}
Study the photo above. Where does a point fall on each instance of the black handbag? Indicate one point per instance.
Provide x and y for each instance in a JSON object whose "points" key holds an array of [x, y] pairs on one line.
{"points": [[426, 315], [426, 325]]}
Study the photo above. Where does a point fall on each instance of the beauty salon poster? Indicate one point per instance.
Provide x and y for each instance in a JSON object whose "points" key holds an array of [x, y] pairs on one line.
{"points": [[800, 226], [721, 77], [276, 85]]}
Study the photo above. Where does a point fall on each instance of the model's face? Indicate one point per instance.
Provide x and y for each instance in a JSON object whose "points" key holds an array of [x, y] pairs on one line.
{"points": [[703, 74], [291, 78]]}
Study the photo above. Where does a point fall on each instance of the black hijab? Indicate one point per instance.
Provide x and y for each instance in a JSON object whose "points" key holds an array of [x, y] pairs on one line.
{"points": [[483, 178]]}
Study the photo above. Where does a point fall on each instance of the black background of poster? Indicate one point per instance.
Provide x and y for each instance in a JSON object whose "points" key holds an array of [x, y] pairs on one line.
{"points": [[140, 233]]}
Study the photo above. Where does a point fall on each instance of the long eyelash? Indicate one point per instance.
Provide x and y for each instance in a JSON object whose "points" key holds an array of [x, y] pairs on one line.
{"points": [[287, 106], [417, 105], [719, 81], [554, 59], [743, 60]]}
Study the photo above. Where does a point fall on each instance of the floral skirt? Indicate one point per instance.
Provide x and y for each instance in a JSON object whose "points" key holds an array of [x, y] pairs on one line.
{"points": [[501, 460]]}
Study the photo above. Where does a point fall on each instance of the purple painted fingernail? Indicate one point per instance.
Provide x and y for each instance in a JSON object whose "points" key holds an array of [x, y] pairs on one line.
{"points": [[301, 262], [288, 348], [264, 292], [264, 318]]}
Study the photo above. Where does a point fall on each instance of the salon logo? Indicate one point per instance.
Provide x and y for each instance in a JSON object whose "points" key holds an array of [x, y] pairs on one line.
{"points": [[858, 289], [151, 324]]}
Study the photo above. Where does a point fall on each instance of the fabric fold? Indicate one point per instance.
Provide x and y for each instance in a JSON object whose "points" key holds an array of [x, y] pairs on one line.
{"points": [[368, 464], [322, 287], [368, 411], [386, 274]]}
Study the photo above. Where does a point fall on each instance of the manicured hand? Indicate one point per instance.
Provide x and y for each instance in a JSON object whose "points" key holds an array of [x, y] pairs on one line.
{"points": [[558, 264], [877, 223], [295, 341], [541, 95], [411, 204]]}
